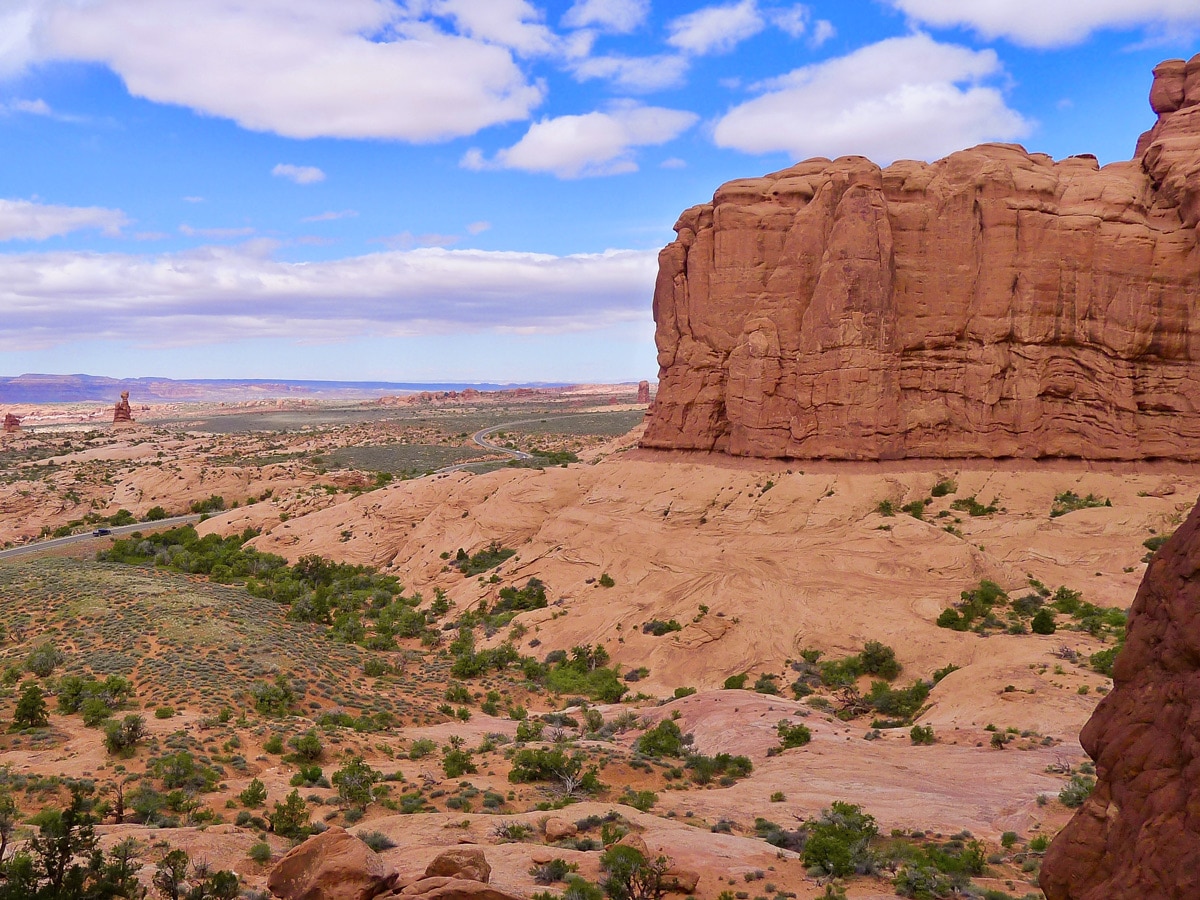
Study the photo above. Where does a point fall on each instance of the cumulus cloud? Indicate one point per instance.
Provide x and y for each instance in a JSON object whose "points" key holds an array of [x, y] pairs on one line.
{"points": [[299, 68], [510, 23], [298, 174], [619, 16], [715, 29], [230, 293], [1036, 23], [908, 97], [27, 220], [597, 143], [635, 73]]}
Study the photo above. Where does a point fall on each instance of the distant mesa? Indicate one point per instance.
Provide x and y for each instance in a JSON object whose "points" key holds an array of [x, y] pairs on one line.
{"points": [[643, 392], [122, 414], [993, 304], [12, 423]]}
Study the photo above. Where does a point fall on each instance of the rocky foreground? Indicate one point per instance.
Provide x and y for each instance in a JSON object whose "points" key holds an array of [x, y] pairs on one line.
{"points": [[995, 303]]}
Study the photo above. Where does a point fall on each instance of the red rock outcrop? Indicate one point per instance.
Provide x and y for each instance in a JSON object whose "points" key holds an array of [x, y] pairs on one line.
{"points": [[333, 865], [643, 394], [122, 414], [12, 423], [995, 303], [1138, 833]]}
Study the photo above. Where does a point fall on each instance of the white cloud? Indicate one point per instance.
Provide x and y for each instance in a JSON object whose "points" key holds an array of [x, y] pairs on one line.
{"points": [[406, 240], [331, 215], [193, 199], [26, 220], [31, 107], [597, 143], [218, 234], [299, 68], [478, 227], [620, 16], [635, 73], [673, 162], [715, 29], [298, 174], [231, 293], [908, 97], [823, 30], [510, 23], [1036, 23], [793, 20]]}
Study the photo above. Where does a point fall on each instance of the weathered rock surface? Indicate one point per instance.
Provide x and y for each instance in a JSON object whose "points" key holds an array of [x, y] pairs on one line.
{"points": [[995, 303], [122, 414], [467, 863], [12, 423], [1138, 834], [333, 865], [643, 394]]}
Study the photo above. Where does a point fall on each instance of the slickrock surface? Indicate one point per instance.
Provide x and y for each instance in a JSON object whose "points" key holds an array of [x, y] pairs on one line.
{"points": [[992, 304], [1138, 834]]}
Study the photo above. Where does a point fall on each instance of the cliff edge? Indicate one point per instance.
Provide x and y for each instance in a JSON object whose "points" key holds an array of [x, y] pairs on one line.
{"points": [[995, 303]]}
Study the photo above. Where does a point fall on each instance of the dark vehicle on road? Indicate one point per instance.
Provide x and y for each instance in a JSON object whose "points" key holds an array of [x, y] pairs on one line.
{"points": [[101, 532]]}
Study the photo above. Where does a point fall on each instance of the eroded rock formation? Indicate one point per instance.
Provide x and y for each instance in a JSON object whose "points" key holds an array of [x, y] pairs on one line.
{"points": [[12, 423], [1138, 833], [643, 394], [995, 303], [122, 414]]}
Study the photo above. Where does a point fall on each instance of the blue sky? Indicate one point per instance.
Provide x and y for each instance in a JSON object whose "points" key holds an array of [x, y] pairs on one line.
{"points": [[472, 189]]}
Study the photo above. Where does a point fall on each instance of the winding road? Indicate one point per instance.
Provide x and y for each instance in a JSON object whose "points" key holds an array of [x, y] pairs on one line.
{"points": [[114, 531]]}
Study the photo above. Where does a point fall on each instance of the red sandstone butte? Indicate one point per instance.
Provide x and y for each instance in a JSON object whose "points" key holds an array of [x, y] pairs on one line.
{"points": [[1137, 835], [995, 303]]}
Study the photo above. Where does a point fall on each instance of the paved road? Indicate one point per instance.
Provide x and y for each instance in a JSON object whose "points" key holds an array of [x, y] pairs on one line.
{"points": [[481, 438], [87, 536]]}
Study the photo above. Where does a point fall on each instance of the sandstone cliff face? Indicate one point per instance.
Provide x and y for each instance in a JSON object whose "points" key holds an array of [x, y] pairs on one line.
{"points": [[1138, 834], [995, 303]]}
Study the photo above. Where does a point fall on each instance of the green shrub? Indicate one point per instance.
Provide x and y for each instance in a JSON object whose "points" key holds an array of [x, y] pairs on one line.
{"points": [[1077, 790], [971, 506], [943, 488], [254, 795], [260, 852], [606, 580], [839, 841], [736, 682], [792, 735], [550, 872], [922, 734], [1043, 622], [31, 711], [1069, 501], [164, 712], [664, 739], [44, 659]]}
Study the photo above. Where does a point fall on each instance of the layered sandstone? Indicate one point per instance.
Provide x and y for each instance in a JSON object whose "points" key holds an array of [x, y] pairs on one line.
{"points": [[122, 413], [1138, 834], [995, 303]]}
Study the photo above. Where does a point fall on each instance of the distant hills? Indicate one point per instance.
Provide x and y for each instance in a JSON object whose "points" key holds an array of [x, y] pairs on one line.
{"points": [[81, 388]]}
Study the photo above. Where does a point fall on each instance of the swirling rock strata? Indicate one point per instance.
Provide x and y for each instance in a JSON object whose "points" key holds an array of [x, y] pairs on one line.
{"points": [[995, 303]]}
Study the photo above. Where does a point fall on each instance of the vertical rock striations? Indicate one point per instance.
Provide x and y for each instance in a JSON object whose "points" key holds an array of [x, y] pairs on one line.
{"points": [[995, 303], [1138, 834]]}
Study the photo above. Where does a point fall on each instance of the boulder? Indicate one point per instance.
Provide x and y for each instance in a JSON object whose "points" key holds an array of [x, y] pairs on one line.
{"points": [[454, 889], [556, 829], [466, 863], [681, 881], [995, 303], [333, 865], [1138, 833]]}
